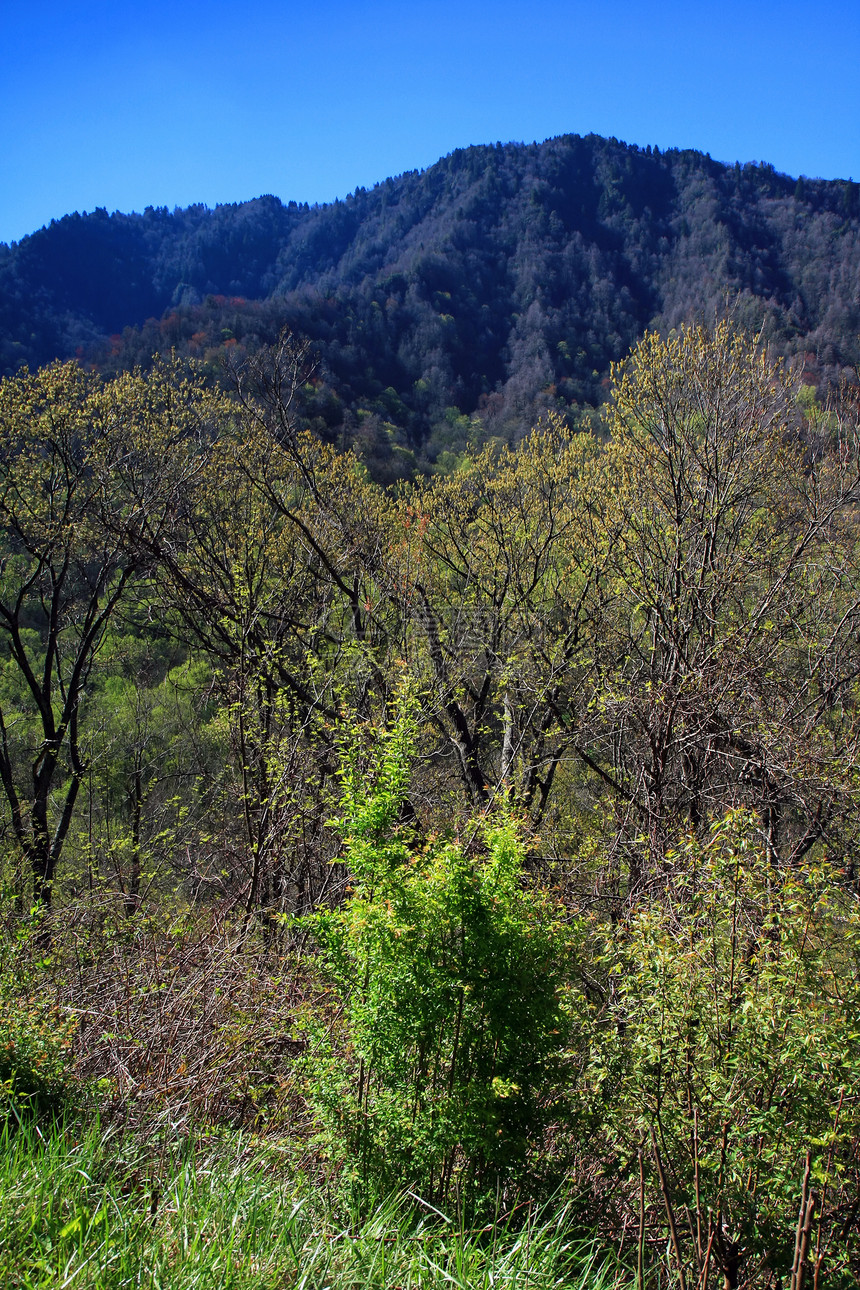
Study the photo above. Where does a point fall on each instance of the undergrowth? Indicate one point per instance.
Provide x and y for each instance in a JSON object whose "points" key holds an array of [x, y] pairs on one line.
{"points": [[92, 1208]]}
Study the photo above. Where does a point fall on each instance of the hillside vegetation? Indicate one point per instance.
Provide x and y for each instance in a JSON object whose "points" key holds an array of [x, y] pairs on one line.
{"points": [[487, 841]]}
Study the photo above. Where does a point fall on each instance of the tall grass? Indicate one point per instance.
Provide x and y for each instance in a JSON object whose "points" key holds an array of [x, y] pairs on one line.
{"points": [[90, 1208]]}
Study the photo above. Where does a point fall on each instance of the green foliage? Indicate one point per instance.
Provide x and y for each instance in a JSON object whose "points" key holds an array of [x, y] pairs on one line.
{"points": [[730, 1061], [449, 965], [37, 1037], [624, 640], [87, 1208], [35, 1059], [85, 467]]}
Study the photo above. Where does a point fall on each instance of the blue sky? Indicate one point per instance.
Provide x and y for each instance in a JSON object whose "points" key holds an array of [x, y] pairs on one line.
{"points": [[125, 105]]}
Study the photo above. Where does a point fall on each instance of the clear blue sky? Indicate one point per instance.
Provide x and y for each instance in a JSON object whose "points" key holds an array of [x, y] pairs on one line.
{"points": [[124, 104]]}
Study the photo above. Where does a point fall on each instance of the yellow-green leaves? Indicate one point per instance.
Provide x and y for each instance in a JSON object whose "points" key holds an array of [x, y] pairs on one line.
{"points": [[449, 963], [731, 1042]]}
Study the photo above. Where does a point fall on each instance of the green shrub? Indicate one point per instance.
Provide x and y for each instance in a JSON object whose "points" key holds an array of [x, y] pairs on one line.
{"points": [[35, 1059], [449, 965], [729, 1063]]}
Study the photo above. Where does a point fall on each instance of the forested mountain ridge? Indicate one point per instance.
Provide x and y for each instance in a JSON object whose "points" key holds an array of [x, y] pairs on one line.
{"points": [[460, 302]]}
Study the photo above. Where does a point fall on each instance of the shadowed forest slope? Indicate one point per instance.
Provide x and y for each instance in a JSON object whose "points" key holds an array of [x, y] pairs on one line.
{"points": [[456, 304]]}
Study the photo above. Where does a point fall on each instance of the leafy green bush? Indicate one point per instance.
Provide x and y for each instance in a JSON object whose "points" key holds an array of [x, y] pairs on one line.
{"points": [[35, 1059], [449, 966], [729, 1064]]}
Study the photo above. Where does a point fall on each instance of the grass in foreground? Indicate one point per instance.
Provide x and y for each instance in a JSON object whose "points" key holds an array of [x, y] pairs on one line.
{"points": [[87, 1208]]}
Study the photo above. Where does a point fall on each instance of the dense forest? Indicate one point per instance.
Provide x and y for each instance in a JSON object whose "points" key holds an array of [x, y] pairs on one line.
{"points": [[487, 840], [455, 305]]}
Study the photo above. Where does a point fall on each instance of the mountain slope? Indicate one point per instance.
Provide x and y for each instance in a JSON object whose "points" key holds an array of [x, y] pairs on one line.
{"points": [[498, 282]]}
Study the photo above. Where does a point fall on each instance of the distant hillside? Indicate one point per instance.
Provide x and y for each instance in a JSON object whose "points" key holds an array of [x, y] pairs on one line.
{"points": [[462, 300]]}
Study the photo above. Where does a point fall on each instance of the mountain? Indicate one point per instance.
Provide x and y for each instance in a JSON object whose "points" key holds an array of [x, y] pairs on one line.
{"points": [[462, 300]]}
